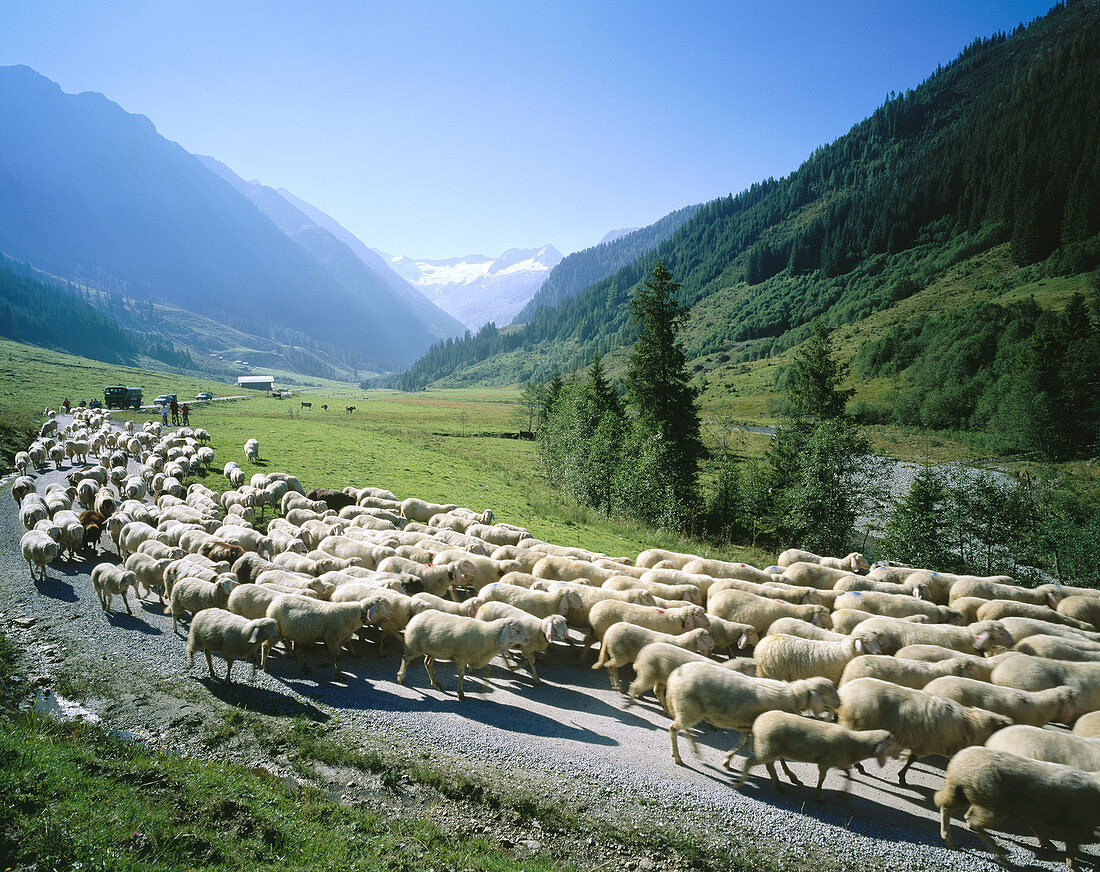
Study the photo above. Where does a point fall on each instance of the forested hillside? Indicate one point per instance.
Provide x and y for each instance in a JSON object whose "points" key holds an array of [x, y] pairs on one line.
{"points": [[1001, 147], [52, 316], [582, 268]]}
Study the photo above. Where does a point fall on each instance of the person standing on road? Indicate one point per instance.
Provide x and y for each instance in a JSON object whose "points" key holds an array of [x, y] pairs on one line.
{"points": [[66, 405], [164, 414], [185, 410], [175, 409]]}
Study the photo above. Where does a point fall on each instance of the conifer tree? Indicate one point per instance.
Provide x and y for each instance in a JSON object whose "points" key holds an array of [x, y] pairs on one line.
{"points": [[658, 383]]}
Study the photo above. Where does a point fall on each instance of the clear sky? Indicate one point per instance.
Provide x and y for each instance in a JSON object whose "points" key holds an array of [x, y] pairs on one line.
{"points": [[437, 129]]}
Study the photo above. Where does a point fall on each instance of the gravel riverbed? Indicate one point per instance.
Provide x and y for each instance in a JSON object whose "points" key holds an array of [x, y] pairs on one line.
{"points": [[569, 743]]}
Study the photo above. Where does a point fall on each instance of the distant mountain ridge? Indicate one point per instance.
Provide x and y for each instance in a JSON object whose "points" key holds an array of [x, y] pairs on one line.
{"points": [[477, 289], [994, 154], [617, 249], [91, 192]]}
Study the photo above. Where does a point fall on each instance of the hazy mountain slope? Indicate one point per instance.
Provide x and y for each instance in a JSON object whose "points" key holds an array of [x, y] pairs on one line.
{"points": [[90, 191], [1001, 145], [477, 289], [438, 322], [582, 268], [376, 289]]}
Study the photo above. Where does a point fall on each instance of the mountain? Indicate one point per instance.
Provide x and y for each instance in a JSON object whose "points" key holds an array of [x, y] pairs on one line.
{"points": [[976, 187], [92, 193], [438, 321], [612, 235], [617, 249], [477, 289]]}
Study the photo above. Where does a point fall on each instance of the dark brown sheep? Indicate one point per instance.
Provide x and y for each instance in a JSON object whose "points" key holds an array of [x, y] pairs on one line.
{"points": [[218, 550], [94, 524], [334, 499]]}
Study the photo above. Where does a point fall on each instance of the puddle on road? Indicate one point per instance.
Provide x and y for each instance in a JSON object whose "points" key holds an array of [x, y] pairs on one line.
{"points": [[56, 706]]}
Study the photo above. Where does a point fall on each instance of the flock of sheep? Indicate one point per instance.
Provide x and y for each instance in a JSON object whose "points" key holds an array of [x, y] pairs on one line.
{"points": [[883, 659]]}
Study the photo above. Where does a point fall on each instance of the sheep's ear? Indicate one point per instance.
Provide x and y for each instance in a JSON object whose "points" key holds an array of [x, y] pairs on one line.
{"points": [[817, 704], [1052, 599], [880, 754], [981, 640], [917, 593], [254, 635], [859, 646], [743, 642], [372, 613], [505, 638]]}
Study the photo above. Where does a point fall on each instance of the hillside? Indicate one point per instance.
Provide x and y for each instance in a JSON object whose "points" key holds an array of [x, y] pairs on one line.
{"points": [[997, 151], [92, 193]]}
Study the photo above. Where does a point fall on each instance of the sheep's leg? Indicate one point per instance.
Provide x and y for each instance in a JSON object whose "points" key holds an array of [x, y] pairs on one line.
{"points": [[749, 763], [994, 848], [673, 732], [1071, 851], [822, 770], [296, 650], [428, 661], [615, 683], [264, 648], [744, 741], [126, 602], [228, 669], [774, 776], [659, 692], [403, 669], [904, 769], [788, 773], [1044, 843], [945, 824], [461, 670], [335, 649], [534, 672], [209, 662]]}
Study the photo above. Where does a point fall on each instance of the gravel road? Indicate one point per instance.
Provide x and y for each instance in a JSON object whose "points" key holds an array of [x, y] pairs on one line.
{"points": [[569, 741]]}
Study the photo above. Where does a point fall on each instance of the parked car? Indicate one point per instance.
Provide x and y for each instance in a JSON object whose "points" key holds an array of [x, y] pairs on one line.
{"points": [[205, 395], [164, 398], [118, 397]]}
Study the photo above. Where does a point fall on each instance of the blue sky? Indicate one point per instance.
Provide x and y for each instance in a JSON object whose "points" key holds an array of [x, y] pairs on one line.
{"points": [[437, 129]]}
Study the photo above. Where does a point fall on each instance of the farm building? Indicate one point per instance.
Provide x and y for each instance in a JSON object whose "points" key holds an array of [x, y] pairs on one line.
{"points": [[256, 382]]}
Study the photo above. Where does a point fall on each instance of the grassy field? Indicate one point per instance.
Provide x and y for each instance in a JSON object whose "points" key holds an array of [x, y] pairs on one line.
{"points": [[430, 444]]}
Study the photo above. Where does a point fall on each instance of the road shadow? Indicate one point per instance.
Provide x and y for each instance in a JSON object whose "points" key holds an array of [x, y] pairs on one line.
{"points": [[261, 700], [132, 622], [56, 588], [357, 690]]}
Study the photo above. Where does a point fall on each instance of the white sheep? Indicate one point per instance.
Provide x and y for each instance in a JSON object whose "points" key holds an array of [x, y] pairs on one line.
{"points": [[622, 641], [435, 579], [1088, 726], [788, 658], [675, 559], [542, 604], [468, 608], [909, 673], [689, 592], [894, 606], [1058, 648], [467, 642], [921, 722], [252, 450], [72, 531], [148, 573], [419, 510], [971, 639], [995, 610], [38, 549], [798, 627], [853, 563], [724, 698], [110, 579], [303, 621], [1081, 608], [1021, 628], [672, 621], [783, 736], [1033, 708], [231, 636], [747, 608], [1039, 673], [542, 632], [730, 634], [654, 663], [995, 786], [1050, 746], [194, 594]]}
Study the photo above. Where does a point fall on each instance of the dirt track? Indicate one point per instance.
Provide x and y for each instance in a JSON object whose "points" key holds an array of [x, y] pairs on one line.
{"points": [[569, 741]]}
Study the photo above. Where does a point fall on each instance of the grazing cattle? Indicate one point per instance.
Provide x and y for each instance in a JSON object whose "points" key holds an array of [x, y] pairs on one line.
{"points": [[349, 408], [307, 405]]}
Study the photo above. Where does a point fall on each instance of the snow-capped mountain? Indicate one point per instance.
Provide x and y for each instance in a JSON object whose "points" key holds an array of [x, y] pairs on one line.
{"points": [[477, 289], [612, 235]]}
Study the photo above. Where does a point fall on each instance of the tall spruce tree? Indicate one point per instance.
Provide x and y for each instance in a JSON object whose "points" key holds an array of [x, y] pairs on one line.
{"points": [[658, 383]]}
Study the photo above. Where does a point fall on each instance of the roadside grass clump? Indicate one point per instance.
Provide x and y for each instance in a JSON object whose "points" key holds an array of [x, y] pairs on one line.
{"points": [[74, 796]]}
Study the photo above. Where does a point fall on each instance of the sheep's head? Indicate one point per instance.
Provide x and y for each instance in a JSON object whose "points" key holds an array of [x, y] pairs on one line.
{"points": [[819, 617], [513, 634], [472, 605], [823, 696], [888, 747], [263, 630], [555, 628]]}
